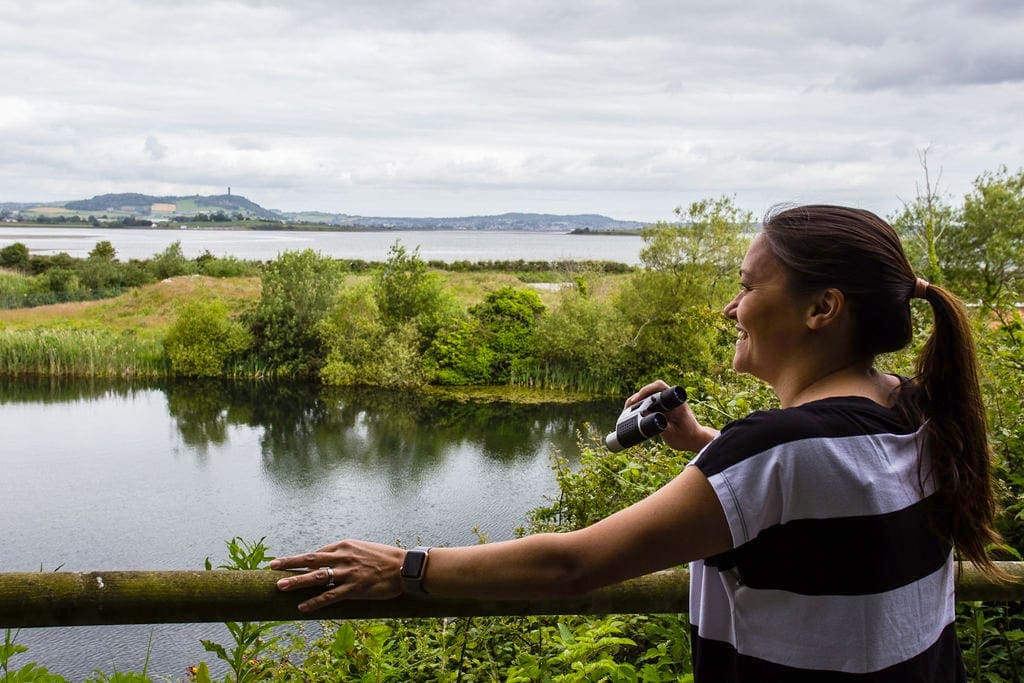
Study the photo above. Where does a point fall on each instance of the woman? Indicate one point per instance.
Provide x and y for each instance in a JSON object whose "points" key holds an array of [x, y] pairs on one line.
{"points": [[821, 534]]}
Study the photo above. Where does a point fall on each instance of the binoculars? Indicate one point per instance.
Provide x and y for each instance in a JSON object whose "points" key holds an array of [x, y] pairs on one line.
{"points": [[645, 419]]}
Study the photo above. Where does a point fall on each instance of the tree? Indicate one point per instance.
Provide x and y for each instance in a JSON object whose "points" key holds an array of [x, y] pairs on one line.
{"points": [[582, 345], [362, 350], [458, 354], [381, 334], [404, 288], [15, 256], [672, 307], [923, 223], [508, 324], [696, 253], [984, 254], [299, 289], [104, 251], [171, 262]]}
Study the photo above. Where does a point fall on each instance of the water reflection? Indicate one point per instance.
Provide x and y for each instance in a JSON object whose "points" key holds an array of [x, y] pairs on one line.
{"points": [[305, 428], [63, 389]]}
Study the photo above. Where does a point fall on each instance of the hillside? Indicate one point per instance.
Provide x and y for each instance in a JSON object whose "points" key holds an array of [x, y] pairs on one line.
{"points": [[505, 221], [230, 206], [142, 204]]}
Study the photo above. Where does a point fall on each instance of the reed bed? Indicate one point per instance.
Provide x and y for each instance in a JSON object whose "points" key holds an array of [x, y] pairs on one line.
{"points": [[567, 377], [80, 353]]}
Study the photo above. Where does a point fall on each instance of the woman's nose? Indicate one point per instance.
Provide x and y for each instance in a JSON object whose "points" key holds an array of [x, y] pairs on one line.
{"points": [[730, 308]]}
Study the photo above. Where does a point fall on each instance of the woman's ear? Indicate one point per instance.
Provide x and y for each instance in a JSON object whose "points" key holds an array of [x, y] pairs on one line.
{"points": [[826, 308]]}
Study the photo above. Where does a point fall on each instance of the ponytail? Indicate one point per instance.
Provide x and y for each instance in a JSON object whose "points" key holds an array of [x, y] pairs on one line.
{"points": [[947, 395]]}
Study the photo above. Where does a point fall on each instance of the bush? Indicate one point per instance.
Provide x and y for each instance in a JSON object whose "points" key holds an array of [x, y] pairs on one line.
{"points": [[171, 262], [459, 355], [362, 350], [228, 266], [299, 289], [15, 256], [203, 338], [405, 291], [508, 323], [62, 281], [581, 345]]}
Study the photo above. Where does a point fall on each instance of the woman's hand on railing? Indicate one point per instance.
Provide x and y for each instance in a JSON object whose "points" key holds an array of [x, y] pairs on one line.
{"points": [[345, 570]]}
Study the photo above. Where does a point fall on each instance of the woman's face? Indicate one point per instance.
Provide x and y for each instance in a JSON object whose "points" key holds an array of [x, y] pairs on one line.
{"points": [[770, 320]]}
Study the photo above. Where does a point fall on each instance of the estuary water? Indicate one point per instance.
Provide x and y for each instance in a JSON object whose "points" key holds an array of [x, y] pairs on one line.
{"points": [[434, 245], [159, 476]]}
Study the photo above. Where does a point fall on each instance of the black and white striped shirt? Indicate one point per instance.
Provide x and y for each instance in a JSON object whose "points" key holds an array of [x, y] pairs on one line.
{"points": [[835, 572]]}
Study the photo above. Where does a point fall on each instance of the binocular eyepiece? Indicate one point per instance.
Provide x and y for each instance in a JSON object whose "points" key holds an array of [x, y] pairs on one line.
{"points": [[645, 419]]}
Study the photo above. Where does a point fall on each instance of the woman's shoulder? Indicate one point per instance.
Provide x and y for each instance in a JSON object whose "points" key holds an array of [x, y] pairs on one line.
{"points": [[834, 416], [828, 418]]}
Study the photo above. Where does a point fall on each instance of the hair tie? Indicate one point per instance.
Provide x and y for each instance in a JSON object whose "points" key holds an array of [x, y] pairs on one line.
{"points": [[921, 288]]}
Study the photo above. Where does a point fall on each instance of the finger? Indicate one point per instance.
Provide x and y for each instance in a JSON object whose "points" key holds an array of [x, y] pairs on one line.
{"points": [[647, 390], [291, 562], [318, 578], [328, 597], [314, 559]]}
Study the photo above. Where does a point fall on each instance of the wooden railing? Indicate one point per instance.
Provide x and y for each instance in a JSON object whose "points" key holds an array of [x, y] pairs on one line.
{"points": [[163, 597]]}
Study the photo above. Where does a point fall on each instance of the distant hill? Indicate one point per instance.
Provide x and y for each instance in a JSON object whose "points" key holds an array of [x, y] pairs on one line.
{"points": [[142, 204], [166, 206], [506, 221]]}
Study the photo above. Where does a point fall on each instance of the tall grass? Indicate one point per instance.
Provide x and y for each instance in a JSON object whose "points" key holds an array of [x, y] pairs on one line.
{"points": [[538, 374], [80, 353], [14, 289]]}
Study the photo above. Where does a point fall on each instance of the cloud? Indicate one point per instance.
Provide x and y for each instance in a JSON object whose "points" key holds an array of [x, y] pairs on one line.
{"points": [[400, 108], [154, 149]]}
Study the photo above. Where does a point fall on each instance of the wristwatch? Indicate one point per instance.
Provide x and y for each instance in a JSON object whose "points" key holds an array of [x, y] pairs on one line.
{"points": [[414, 569]]}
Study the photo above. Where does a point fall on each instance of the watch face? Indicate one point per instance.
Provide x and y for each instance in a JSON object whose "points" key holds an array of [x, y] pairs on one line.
{"points": [[413, 565]]}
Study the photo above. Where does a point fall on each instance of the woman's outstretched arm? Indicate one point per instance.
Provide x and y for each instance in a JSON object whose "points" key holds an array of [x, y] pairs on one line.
{"points": [[680, 522]]}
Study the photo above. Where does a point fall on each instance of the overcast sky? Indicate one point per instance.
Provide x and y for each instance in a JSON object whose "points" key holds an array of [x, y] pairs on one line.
{"points": [[446, 108]]}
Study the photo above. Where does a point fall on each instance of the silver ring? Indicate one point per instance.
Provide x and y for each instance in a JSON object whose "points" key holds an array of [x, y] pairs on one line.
{"points": [[330, 577]]}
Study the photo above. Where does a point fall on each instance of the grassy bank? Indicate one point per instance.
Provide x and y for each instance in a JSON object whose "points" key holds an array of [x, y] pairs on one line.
{"points": [[149, 310], [123, 336]]}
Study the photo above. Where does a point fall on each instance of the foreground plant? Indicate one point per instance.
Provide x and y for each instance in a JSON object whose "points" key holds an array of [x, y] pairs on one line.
{"points": [[251, 639], [27, 672]]}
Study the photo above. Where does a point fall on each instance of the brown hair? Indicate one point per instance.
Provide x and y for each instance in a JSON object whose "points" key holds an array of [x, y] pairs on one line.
{"points": [[860, 254]]}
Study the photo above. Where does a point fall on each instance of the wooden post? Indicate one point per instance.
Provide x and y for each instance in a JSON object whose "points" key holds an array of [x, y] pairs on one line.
{"points": [[164, 597]]}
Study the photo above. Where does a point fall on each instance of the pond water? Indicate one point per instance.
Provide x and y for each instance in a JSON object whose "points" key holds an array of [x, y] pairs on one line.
{"points": [[117, 476]]}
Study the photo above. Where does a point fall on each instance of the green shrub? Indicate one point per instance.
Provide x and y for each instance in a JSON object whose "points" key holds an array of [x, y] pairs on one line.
{"points": [[227, 266], [581, 346], [15, 256], [171, 262], [362, 350], [203, 338], [406, 292], [62, 281], [459, 355], [508, 324], [298, 291]]}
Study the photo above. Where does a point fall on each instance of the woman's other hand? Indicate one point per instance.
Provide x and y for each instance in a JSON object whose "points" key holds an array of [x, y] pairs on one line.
{"points": [[358, 570], [683, 433]]}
